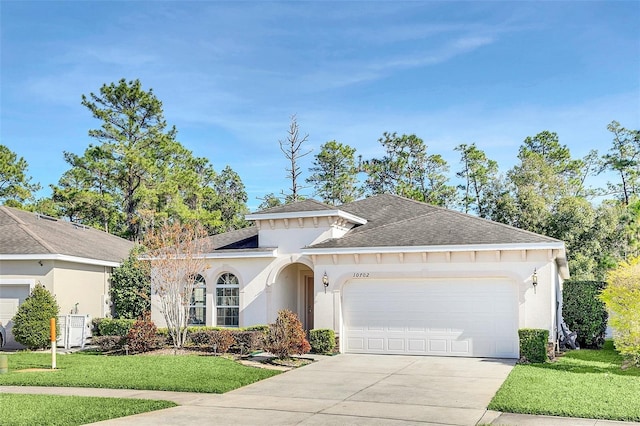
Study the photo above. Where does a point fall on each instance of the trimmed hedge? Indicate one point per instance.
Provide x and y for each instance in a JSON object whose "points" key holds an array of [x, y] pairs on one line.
{"points": [[109, 343], [322, 340], [584, 312], [113, 326], [533, 344]]}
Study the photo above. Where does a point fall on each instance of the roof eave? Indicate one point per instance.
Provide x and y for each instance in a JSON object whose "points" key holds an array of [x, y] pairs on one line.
{"points": [[313, 213], [61, 257], [437, 248]]}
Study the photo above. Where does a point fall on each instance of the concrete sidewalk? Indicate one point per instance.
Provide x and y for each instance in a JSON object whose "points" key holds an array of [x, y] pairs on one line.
{"points": [[344, 390]]}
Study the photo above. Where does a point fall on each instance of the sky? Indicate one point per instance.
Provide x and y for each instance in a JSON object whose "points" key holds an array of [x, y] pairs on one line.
{"points": [[231, 74]]}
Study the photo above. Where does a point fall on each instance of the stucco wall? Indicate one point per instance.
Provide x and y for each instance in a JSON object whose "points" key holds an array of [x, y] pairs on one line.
{"points": [[69, 282], [536, 308]]}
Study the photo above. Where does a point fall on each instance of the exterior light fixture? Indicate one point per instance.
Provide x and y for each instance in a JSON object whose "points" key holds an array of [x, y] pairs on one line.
{"points": [[325, 281], [534, 279]]}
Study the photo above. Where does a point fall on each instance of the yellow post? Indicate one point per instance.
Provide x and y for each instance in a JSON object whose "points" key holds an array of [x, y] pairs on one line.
{"points": [[52, 323]]}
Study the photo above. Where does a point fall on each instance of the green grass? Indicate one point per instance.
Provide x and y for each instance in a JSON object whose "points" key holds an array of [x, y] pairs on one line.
{"points": [[28, 410], [183, 373], [584, 383]]}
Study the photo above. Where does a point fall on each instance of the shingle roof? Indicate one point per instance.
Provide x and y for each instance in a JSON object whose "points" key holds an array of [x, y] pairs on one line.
{"points": [[26, 233], [245, 238], [299, 206], [394, 221]]}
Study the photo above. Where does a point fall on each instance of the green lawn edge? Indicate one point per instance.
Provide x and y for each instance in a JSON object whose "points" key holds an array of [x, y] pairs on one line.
{"points": [[54, 410], [179, 373], [583, 384]]}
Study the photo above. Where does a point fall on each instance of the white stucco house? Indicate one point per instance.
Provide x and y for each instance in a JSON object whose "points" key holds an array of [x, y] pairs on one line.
{"points": [[390, 275], [74, 262]]}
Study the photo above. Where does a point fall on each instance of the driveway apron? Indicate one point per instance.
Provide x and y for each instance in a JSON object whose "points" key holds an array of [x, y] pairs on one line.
{"points": [[351, 389]]}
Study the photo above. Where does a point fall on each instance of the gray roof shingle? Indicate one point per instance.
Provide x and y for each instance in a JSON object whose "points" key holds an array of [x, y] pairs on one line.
{"points": [[23, 233], [394, 221]]}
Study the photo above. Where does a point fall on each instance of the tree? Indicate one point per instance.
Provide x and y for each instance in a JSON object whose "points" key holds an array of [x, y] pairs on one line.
{"points": [[15, 184], [131, 287], [31, 324], [268, 201], [407, 170], [545, 174], [137, 174], [622, 298], [230, 201], [478, 173], [293, 151], [175, 253], [624, 160], [334, 174]]}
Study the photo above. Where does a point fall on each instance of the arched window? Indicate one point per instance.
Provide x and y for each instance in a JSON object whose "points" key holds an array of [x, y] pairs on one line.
{"points": [[227, 300], [198, 305]]}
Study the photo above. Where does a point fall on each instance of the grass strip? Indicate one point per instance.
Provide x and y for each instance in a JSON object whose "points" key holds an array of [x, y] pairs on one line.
{"points": [[181, 373], [585, 383], [50, 410]]}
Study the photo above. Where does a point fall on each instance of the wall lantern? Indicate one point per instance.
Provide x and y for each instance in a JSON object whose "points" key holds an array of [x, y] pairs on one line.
{"points": [[325, 281], [534, 280]]}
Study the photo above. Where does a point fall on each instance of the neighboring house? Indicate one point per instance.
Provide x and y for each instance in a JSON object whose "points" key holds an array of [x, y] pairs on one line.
{"points": [[72, 261], [388, 274]]}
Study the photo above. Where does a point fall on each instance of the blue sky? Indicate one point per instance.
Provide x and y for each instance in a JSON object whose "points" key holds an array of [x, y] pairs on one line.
{"points": [[230, 74]]}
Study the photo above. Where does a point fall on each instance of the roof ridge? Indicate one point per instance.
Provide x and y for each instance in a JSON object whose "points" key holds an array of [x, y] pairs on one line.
{"points": [[25, 227], [377, 228]]}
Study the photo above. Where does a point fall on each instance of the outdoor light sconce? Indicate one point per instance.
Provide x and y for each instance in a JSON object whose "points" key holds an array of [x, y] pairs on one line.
{"points": [[325, 281], [534, 279]]}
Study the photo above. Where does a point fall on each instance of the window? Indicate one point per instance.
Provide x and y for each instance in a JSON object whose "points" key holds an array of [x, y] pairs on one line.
{"points": [[227, 301], [198, 305]]}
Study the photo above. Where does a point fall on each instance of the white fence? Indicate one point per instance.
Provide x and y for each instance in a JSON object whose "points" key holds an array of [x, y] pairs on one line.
{"points": [[73, 330]]}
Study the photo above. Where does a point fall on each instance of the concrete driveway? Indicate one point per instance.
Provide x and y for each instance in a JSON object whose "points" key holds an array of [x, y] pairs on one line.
{"points": [[350, 389]]}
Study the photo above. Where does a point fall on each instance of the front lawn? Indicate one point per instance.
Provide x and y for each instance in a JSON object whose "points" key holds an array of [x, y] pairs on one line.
{"points": [[45, 410], [182, 373], [585, 383]]}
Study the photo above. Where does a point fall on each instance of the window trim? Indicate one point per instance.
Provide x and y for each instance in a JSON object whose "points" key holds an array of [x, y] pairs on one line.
{"points": [[199, 283], [225, 281]]}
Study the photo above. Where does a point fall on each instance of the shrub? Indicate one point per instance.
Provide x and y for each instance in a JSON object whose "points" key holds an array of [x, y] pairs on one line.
{"points": [[622, 298], [584, 312], [264, 328], [31, 324], [248, 341], [322, 340], [114, 326], [143, 335], [221, 340], [108, 343], [286, 336], [533, 344], [131, 287]]}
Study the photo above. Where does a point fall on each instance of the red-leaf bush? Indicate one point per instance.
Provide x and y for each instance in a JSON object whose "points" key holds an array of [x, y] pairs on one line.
{"points": [[286, 336]]}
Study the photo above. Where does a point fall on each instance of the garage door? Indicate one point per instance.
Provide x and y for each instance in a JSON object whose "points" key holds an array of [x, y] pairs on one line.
{"points": [[445, 317]]}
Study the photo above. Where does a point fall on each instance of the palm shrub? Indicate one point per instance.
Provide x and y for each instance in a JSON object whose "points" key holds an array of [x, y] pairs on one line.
{"points": [[286, 336], [584, 312], [31, 324], [622, 298]]}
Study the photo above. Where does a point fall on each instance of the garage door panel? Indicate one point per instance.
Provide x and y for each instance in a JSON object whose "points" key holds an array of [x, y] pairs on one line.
{"points": [[432, 317]]}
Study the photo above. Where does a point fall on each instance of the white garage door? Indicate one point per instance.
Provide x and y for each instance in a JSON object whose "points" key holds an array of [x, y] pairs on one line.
{"points": [[445, 317]]}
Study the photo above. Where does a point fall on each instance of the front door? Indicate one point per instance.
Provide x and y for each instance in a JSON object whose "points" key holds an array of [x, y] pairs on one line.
{"points": [[309, 297]]}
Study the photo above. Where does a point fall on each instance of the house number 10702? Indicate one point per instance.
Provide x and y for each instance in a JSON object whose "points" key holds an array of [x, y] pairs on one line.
{"points": [[360, 275]]}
